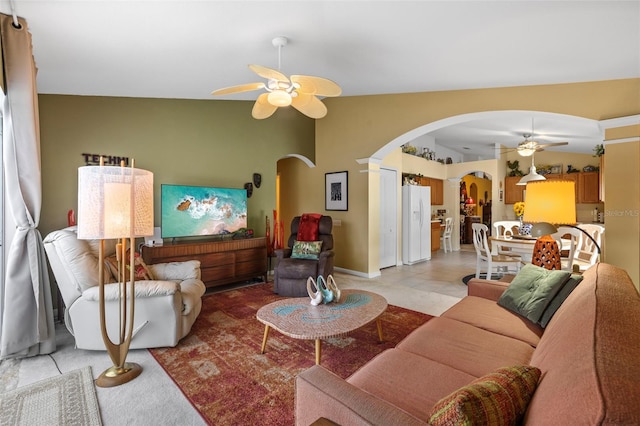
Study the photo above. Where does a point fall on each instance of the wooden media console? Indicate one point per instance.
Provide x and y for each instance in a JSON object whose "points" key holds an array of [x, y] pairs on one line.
{"points": [[221, 262]]}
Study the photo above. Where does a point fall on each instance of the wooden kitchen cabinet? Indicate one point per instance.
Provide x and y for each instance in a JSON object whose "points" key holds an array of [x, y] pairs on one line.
{"points": [[512, 192], [435, 236], [588, 187], [437, 189]]}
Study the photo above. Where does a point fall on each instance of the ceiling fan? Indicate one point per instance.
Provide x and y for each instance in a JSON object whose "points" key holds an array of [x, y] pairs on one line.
{"points": [[527, 147], [299, 91]]}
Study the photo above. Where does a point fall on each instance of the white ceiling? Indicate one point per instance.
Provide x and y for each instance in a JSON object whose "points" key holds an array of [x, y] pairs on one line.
{"points": [[186, 49]]}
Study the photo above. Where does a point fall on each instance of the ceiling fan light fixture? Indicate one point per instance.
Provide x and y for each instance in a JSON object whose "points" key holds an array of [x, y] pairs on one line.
{"points": [[279, 98], [526, 152]]}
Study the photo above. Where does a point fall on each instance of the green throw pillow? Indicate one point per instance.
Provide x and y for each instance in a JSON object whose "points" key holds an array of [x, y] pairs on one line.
{"points": [[531, 291], [306, 249], [555, 303], [499, 398]]}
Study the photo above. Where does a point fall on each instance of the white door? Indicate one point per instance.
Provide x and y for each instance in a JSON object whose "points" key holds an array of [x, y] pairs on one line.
{"points": [[388, 218]]}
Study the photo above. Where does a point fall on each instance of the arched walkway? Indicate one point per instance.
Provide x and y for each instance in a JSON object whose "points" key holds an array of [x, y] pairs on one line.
{"points": [[464, 118]]}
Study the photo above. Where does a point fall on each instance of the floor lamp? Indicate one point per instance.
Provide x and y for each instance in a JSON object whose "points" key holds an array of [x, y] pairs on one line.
{"points": [[549, 203], [116, 203]]}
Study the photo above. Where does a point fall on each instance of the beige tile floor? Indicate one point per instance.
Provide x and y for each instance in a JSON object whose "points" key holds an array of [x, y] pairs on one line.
{"points": [[430, 287]]}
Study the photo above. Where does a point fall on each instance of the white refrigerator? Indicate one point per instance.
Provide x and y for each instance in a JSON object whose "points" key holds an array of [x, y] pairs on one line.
{"points": [[416, 224]]}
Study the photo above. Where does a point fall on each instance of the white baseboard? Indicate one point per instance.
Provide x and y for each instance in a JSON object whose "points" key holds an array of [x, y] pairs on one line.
{"points": [[357, 273]]}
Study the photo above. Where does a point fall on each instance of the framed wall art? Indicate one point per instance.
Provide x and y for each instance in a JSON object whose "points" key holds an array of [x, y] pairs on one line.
{"points": [[335, 191]]}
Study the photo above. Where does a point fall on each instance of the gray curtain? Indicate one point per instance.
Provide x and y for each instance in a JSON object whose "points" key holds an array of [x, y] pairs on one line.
{"points": [[26, 308]]}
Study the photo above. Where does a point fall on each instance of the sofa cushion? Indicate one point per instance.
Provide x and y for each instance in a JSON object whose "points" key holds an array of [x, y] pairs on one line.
{"points": [[559, 298], [176, 271], [499, 398], [465, 347], [297, 269], [490, 316], [391, 376], [531, 291], [589, 355], [79, 258]]}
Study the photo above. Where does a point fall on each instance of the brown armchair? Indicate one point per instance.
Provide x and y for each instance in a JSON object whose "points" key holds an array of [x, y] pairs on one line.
{"points": [[290, 275]]}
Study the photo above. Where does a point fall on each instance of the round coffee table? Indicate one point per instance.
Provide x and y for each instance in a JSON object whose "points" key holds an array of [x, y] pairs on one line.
{"points": [[299, 319]]}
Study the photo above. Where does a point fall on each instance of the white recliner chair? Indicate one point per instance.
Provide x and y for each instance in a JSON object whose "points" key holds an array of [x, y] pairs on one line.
{"points": [[165, 308]]}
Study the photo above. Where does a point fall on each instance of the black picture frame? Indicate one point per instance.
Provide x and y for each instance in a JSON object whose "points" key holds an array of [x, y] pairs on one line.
{"points": [[336, 195]]}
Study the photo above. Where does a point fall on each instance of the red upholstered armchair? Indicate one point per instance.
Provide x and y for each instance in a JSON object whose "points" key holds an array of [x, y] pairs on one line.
{"points": [[291, 274]]}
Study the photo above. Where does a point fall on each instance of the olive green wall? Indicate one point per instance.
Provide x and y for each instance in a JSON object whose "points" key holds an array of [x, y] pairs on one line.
{"points": [[357, 127], [191, 142]]}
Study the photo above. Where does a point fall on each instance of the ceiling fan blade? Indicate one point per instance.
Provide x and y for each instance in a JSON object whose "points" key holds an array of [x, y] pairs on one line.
{"points": [[262, 108], [309, 105], [268, 73], [238, 89], [546, 145], [316, 85]]}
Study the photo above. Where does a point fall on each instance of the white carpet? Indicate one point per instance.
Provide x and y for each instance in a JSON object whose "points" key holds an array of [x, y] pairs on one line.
{"points": [[66, 399], [150, 399]]}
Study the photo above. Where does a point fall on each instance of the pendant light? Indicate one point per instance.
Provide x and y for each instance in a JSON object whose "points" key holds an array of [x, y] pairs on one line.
{"points": [[532, 176]]}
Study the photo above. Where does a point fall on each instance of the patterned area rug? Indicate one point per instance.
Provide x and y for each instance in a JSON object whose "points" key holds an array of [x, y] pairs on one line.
{"points": [[68, 399], [221, 371]]}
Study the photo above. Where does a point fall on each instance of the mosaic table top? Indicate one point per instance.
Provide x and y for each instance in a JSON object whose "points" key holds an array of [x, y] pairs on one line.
{"points": [[298, 318]]}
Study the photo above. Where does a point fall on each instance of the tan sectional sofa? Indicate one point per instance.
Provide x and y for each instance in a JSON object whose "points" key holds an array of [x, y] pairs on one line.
{"points": [[589, 357]]}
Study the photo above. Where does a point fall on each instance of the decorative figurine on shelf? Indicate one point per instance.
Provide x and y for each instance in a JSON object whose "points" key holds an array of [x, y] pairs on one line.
{"points": [[571, 169]]}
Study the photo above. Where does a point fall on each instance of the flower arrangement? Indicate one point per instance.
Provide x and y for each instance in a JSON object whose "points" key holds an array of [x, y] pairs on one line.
{"points": [[518, 208]]}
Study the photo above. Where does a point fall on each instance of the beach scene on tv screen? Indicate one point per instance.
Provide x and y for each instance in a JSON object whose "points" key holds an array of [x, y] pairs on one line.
{"points": [[198, 211]]}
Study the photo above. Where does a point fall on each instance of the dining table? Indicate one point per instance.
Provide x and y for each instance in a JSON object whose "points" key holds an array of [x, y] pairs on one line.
{"points": [[520, 245]]}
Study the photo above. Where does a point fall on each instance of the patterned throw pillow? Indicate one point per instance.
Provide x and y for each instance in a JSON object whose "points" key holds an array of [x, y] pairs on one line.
{"points": [[499, 398], [141, 271], [306, 249]]}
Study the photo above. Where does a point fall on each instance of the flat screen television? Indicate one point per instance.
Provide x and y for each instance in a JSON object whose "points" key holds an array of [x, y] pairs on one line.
{"points": [[189, 211]]}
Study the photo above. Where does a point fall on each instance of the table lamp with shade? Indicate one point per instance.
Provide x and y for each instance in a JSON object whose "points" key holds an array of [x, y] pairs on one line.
{"points": [[116, 203], [550, 203]]}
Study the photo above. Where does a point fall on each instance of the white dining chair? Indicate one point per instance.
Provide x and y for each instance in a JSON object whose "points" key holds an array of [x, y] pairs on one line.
{"points": [[500, 263], [587, 254], [575, 240], [446, 234], [506, 228]]}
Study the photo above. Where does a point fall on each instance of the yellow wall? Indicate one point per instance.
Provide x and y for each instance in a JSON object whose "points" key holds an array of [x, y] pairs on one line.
{"points": [[622, 207], [357, 127], [218, 143], [209, 143], [481, 185]]}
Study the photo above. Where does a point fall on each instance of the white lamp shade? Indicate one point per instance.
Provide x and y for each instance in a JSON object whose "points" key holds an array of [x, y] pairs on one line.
{"points": [[114, 202]]}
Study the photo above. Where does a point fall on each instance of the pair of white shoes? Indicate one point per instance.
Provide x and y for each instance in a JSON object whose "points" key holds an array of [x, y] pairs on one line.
{"points": [[323, 291]]}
